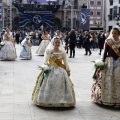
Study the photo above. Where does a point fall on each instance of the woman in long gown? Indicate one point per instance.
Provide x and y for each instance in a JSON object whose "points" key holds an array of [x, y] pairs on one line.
{"points": [[106, 87], [26, 50], [8, 51], [54, 87], [43, 44]]}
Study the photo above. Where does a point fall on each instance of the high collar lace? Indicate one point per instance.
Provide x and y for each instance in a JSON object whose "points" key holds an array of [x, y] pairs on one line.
{"points": [[116, 42]]}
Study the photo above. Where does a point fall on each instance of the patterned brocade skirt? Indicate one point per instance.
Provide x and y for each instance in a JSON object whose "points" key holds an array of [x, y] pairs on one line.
{"points": [[54, 89], [106, 87]]}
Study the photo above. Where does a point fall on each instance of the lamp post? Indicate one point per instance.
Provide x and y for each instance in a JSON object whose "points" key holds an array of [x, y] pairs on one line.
{"points": [[72, 13], [3, 16], [10, 14], [1, 19], [64, 16]]}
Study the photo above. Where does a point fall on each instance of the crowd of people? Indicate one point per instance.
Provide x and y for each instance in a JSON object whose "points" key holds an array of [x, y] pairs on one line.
{"points": [[87, 40], [53, 86]]}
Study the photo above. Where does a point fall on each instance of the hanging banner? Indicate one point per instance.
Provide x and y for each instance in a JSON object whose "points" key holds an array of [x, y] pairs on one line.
{"points": [[1, 17], [41, 1], [85, 19], [36, 15], [44, 17]]}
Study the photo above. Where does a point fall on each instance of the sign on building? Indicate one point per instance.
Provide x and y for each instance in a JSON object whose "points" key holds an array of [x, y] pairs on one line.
{"points": [[41, 1], [36, 17]]}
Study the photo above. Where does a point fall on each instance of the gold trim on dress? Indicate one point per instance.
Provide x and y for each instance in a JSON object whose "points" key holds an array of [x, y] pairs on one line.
{"points": [[113, 46]]}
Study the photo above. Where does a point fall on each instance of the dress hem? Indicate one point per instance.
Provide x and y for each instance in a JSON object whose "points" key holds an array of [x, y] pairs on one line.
{"points": [[55, 104]]}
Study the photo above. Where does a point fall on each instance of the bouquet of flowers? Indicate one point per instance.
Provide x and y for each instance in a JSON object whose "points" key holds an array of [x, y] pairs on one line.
{"points": [[46, 69], [2, 44], [98, 65]]}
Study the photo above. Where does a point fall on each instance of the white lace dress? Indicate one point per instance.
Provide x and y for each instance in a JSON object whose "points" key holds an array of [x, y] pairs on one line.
{"points": [[8, 51], [55, 88], [43, 45]]}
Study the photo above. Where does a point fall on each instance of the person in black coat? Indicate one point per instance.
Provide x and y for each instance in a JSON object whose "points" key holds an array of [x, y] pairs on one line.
{"points": [[87, 43], [17, 36], [72, 43], [101, 40], [66, 42], [79, 40], [40, 37]]}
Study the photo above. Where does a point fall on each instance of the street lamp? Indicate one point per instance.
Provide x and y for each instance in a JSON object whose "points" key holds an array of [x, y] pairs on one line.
{"points": [[64, 16], [10, 14], [72, 13]]}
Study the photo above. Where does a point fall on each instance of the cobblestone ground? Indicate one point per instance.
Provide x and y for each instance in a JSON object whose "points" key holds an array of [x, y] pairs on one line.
{"points": [[17, 79]]}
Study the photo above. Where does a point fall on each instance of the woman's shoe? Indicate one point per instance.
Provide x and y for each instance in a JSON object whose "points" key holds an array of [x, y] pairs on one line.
{"points": [[70, 57]]}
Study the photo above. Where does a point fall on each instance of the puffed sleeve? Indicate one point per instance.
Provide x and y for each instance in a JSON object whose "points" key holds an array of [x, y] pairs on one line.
{"points": [[47, 57], [65, 60]]}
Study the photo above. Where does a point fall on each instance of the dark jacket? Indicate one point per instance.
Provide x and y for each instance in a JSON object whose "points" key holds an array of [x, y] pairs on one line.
{"points": [[101, 40], [87, 41], [72, 38]]}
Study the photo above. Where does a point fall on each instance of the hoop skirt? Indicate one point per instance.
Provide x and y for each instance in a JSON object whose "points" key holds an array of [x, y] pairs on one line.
{"points": [[8, 51], [54, 88], [42, 47], [106, 87], [26, 52]]}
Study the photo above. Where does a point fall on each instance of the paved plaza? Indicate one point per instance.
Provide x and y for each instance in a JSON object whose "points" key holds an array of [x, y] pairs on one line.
{"points": [[17, 80]]}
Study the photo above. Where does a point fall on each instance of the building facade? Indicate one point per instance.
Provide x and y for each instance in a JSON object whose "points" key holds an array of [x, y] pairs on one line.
{"points": [[97, 14], [68, 16], [112, 14], [8, 17], [1, 14]]}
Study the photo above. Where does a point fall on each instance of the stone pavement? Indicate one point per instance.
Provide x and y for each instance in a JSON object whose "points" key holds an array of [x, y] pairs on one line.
{"points": [[17, 80]]}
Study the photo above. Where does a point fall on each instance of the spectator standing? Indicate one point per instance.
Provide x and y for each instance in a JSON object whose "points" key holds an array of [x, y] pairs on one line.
{"points": [[101, 40], [87, 43], [72, 43], [17, 36]]}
